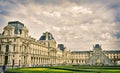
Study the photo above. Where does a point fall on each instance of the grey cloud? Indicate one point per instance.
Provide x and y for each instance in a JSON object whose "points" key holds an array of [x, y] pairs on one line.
{"points": [[87, 24], [117, 35]]}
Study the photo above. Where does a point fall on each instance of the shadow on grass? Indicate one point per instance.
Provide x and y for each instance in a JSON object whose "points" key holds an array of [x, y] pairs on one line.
{"points": [[70, 69], [11, 72]]}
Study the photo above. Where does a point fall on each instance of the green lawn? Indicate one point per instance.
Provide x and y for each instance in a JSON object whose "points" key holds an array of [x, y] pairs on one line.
{"points": [[66, 69]]}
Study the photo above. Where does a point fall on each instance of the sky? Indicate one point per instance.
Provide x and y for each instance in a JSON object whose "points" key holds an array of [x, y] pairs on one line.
{"points": [[78, 24]]}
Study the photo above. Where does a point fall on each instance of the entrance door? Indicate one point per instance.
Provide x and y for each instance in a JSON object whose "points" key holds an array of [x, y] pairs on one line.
{"points": [[6, 60], [12, 63]]}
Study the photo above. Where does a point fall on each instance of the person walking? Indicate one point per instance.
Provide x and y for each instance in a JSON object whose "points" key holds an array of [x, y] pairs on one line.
{"points": [[3, 68]]}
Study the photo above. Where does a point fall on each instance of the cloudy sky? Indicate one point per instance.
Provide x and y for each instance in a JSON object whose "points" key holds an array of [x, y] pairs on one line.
{"points": [[78, 24]]}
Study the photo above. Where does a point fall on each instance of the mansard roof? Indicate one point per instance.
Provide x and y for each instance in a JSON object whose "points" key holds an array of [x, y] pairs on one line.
{"points": [[15, 22], [17, 25], [47, 36], [61, 47], [81, 51], [97, 46], [112, 51]]}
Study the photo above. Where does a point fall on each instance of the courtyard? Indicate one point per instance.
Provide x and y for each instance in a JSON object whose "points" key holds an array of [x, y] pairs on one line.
{"points": [[67, 69]]}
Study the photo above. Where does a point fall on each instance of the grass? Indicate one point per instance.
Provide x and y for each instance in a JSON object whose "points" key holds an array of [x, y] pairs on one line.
{"points": [[67, 69], [37, 70], [33, 69]]}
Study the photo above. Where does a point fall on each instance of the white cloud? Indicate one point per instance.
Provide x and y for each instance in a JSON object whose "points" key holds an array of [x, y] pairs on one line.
{"points": [[80, 10]]}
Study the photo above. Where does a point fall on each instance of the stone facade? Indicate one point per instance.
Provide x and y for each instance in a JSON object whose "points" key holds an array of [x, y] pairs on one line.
{"points": [[18, 49]]}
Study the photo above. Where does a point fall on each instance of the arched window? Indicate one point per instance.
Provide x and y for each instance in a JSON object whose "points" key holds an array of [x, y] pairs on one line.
{"points": [[7, 48]]}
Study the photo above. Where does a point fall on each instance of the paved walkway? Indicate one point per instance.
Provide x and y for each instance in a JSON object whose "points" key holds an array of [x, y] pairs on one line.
{"points": [[1, 70]]}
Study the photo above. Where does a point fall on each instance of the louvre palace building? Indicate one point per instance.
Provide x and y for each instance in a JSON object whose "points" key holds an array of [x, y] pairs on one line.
{"points": [[18, 49]]}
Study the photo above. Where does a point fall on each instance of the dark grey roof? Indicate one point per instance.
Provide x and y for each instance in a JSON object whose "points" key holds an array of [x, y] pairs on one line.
{"points": [[44, 36], [81, 51], [112, 51], [106, 51], [97, 46], [15, 22], [17, 25], [61, 47]]}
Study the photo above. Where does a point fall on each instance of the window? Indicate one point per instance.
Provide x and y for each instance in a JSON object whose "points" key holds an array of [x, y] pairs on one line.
{"points": [[117, 57], [7, 48], [14, 39], [14, 47], [0, 47]]}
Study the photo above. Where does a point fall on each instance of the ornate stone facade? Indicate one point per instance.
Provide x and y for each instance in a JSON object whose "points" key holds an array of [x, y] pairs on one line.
{"points": [[18, 49]]}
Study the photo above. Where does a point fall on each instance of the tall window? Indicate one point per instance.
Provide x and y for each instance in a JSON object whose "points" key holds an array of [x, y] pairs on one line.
{"points": [[14, 47], [0, 47], [14, 39], [7, 48]]}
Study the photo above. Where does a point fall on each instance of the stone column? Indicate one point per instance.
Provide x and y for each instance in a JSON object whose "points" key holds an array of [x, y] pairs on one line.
{"points": [[1, 60], [28, 60], [17, 60], [3, 47], [9, 60]]}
